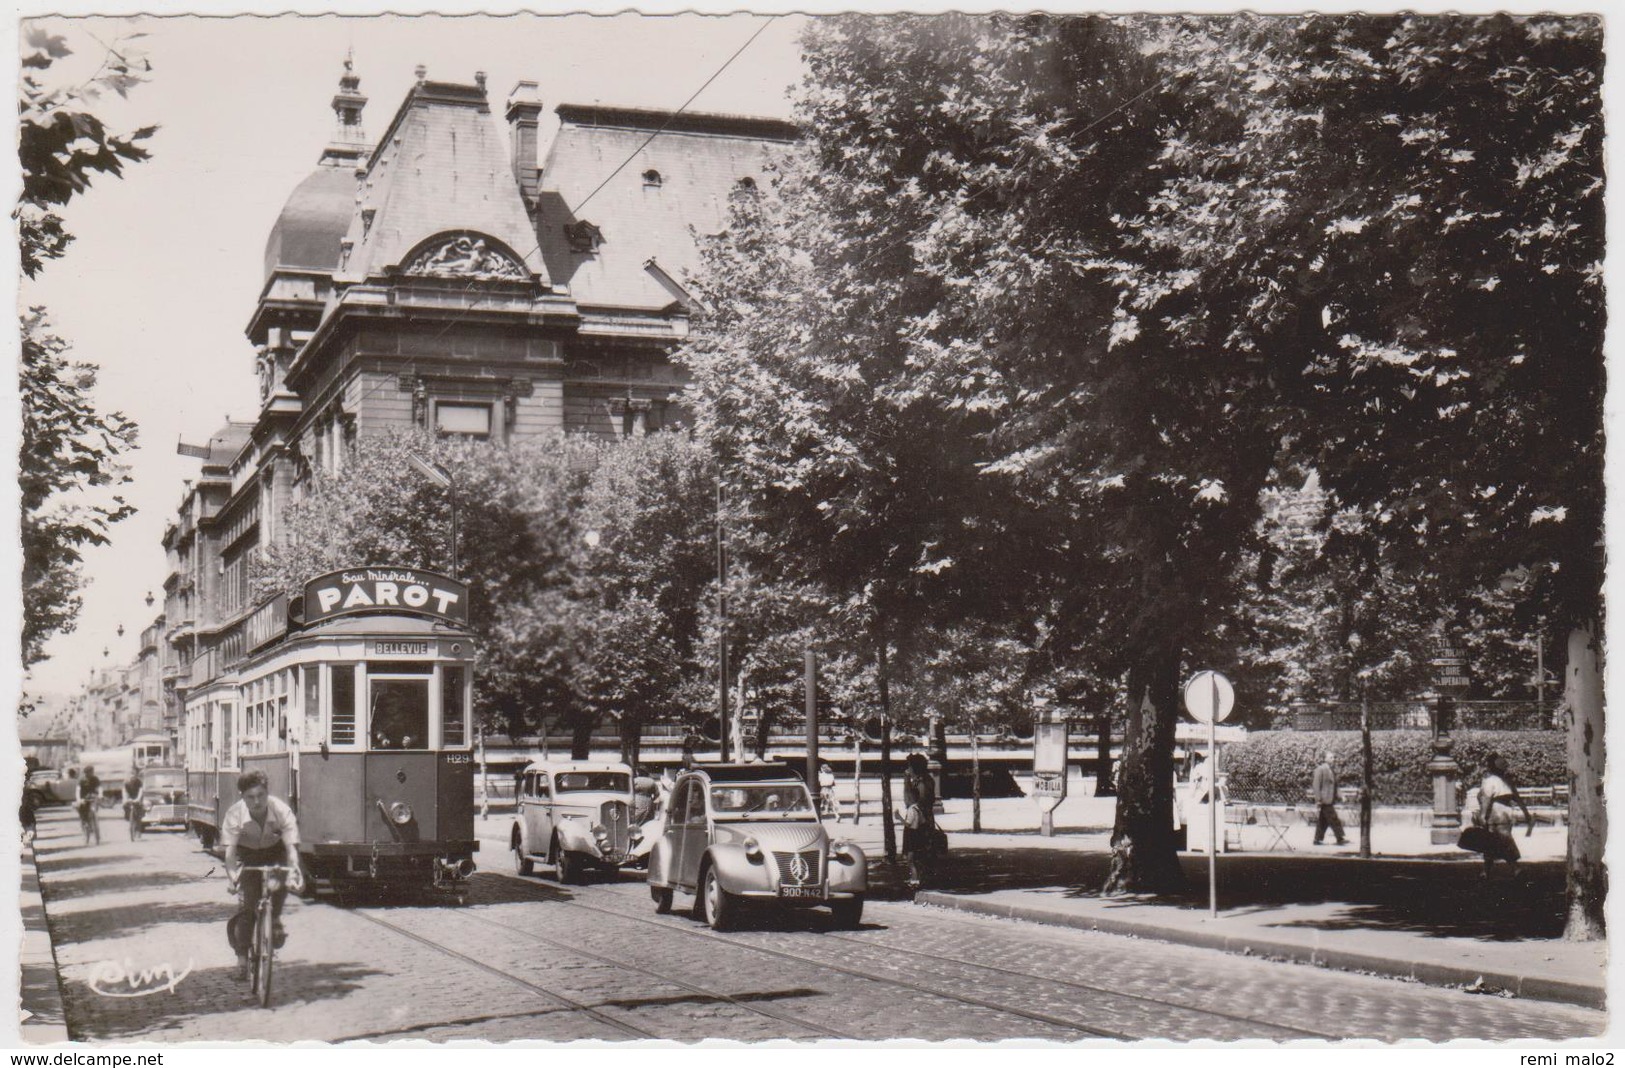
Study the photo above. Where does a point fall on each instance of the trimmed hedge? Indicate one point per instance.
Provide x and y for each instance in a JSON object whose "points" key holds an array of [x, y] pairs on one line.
{"points": [[1275, 766]]}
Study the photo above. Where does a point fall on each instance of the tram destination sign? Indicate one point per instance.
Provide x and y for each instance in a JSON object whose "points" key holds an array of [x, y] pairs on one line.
{"points": [[385, 589]]}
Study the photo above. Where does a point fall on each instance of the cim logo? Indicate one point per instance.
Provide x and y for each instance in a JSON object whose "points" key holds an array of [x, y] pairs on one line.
{"points": [[396, 589]]}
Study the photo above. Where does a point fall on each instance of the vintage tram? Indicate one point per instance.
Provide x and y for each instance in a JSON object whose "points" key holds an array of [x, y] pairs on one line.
{"points": [[357, 710]]}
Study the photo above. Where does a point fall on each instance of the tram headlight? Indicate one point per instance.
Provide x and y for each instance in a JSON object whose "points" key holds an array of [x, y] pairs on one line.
{"points": [[401, 812]]}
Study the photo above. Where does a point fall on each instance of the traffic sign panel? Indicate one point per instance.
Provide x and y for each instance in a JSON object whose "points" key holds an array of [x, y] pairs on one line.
{"points": [[1207, 691]]}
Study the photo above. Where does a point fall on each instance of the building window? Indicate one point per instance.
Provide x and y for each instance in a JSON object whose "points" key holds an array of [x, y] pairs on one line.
{"points": [[651, 179], [461, 417]]}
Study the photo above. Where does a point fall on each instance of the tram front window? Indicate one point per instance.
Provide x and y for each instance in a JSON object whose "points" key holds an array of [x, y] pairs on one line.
{"points": [[400, 714]]}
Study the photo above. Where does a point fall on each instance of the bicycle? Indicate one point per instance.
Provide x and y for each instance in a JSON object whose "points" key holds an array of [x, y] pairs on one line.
{"points": [[133, 813], [262, 944]]}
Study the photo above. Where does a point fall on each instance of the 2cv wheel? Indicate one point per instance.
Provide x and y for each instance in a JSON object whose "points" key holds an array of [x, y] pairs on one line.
{"points": [[847, 912], [661, 895], [721, 907]]}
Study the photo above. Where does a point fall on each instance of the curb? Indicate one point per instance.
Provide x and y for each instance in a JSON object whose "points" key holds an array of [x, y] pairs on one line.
{"points": [[1431, 973], [39, 990]]}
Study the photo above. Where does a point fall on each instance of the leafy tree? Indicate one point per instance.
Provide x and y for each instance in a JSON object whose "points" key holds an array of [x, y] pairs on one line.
{"points": [[1005, 314], [61, 143], [68, 448], [586, 562], [1397, 221]]}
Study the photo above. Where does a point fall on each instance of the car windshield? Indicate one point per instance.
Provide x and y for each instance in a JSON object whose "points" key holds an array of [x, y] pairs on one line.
{"points": [[761, 800], [163, 780], [611, 781]]}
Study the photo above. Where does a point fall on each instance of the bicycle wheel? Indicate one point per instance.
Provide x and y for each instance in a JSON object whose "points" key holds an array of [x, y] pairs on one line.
{"points": [[266, 952]]}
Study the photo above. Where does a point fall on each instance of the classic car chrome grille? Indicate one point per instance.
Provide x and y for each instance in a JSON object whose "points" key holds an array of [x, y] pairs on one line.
{"points": [[613, 816], [805, 873]]}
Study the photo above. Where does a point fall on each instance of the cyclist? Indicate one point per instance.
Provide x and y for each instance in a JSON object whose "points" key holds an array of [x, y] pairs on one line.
{"points": [[134, 803], [258, 830], [90, 791]]}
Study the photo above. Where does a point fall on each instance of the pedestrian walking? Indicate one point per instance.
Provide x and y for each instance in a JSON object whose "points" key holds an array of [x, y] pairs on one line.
{"points": [[90, 788], [1497, 793], [921, 844], [1323, 786]]}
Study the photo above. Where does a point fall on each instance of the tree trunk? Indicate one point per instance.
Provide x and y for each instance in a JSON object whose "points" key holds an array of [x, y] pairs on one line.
{"points": [[888, 830], [764, 726], [631, 741], [1367, 775], [975, 781], [1588, 815], [581, 739], [1144, 859], [1104, 786]]}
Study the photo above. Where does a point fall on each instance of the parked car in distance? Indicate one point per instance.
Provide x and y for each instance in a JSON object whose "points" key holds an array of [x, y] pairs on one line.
{"points": [[575, 815], [748, 833], [163, 790], [51, 787]]}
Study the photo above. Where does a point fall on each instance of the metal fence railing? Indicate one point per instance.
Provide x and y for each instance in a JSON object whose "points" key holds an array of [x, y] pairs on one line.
{"points": [[1418, 715]]}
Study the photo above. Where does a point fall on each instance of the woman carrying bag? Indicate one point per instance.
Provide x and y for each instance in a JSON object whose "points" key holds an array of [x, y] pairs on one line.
{"points": [[1492, 817]]}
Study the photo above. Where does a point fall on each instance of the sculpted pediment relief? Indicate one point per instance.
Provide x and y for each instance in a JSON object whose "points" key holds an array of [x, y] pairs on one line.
{"points": [[465, 257]]}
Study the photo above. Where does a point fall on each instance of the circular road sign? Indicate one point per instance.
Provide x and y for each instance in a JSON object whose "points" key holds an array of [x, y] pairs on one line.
{"points": [[1205, 690]]}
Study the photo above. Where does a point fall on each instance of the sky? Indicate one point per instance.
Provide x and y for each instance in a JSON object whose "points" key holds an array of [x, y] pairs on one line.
{"points": [[168, 261]]}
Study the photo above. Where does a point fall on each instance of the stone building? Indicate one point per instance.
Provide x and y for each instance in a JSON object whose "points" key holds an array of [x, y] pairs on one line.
{"points": [[439, 277]]}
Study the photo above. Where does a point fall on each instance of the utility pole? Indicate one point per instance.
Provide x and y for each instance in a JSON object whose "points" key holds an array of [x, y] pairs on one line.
{"points": [[722, 631], [812, 731]]}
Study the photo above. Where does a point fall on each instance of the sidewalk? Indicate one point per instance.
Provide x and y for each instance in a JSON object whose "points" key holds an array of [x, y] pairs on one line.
{"points": [[1415, 911], [41, 1019]]}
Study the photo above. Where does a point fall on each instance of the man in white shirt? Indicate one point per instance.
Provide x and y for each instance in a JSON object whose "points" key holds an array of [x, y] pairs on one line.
{"points": [[258, 830]]}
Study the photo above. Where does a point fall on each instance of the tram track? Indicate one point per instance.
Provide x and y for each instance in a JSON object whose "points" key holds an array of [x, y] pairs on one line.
{"points": [[771, 1014], [1038, 1017], [1283, 1031], [630, 1030]]}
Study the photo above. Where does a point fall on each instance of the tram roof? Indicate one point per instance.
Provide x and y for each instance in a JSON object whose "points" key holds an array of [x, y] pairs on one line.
{"points": [[381, 623]]}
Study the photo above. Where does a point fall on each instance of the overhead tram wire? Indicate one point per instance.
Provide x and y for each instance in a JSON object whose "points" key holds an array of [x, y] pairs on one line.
{"points": [[536, 248], [673, 117]]}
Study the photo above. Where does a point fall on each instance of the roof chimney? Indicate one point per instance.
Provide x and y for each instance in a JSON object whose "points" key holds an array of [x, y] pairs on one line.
{"points": [[524, 111]]}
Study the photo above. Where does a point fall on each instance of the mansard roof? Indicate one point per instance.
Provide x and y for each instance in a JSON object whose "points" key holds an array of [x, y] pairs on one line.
{"points": [[442, 168], [647, 221]]}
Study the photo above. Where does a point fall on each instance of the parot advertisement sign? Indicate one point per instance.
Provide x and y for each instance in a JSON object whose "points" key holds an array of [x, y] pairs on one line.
{"points": [[385, 589]]}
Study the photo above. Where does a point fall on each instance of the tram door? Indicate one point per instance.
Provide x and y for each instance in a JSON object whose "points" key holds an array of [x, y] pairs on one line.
{"points": [[403, 766]]}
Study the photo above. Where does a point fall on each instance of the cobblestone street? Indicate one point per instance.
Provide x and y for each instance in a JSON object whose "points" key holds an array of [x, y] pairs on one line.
{"points": [[529, 959]]}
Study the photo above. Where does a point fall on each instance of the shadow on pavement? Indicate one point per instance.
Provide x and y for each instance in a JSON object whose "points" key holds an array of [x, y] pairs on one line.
{"points": [[58, 890], [1442, 898], [57, 861], [206, 993], [124, 921]]}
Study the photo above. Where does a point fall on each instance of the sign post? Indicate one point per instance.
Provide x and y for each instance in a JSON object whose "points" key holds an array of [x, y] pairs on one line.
{"points": [[1049, 772], [1209, 697]]}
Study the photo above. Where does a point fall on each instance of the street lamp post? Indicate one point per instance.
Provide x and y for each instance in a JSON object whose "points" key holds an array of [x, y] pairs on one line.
{"points": [[722, 633]]}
